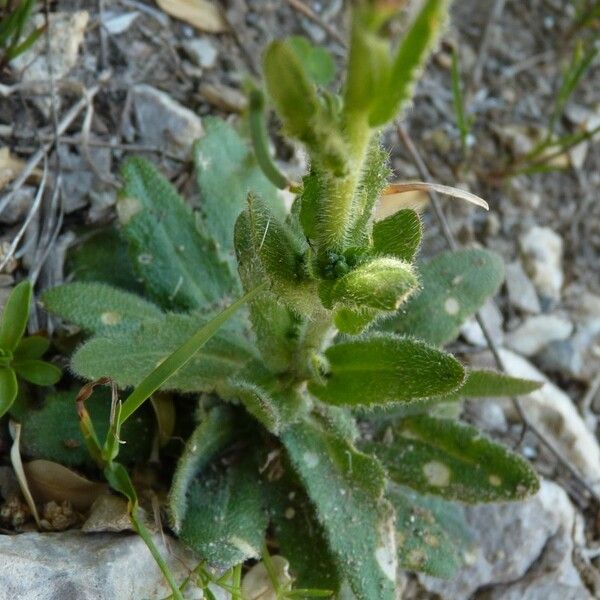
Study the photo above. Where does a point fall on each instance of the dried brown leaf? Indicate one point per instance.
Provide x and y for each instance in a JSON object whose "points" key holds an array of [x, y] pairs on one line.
{"points": [[50, 481], [201, 14]]}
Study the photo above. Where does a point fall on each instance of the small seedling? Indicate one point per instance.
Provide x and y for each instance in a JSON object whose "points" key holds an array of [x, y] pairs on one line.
{"points": [[343, 329], [20, 357]]}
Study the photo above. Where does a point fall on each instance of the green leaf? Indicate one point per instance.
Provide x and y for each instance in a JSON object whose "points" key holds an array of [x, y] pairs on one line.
{"points": [[210, 436], [398, 235], [346, 488], [104, 257], [454, 461], [381, 283], [316, 60], [227, 172], [52, 432], [432, 534], [414, 49], [276, 327], [180, 266], [15, 315], [489, 384], [381, 369], [32, 347], [353, 320], [301, 537], [127, 357], [291, 90], [99, 308], [225, 522], [37, 371], [8, 389], [455, 285], [281, 254]]}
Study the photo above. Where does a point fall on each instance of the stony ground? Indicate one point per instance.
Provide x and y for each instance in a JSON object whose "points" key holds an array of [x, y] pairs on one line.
{"points": [[150, 80]]}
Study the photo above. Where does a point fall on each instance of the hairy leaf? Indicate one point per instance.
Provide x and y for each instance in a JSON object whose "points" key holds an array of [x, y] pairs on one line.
{"points": [[180, 266], [301, 537], [431, 533], [454, 286], [99, 308], [453, 460], [410, 57], [52, 432], [227, 172], [103, 257], [276, 326], [485, 384], [211, 435], [381, 369], [129, 356], [398, 235], [225, 522], [316, 60], [346, 488], [381, 283], [14, 316]]}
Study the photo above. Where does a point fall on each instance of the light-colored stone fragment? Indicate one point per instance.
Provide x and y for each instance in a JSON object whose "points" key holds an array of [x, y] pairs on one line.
{"points": [[521, 292], [535, 333]]}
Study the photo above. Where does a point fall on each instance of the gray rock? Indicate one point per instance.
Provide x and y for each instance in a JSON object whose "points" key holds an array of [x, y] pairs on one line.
{"points": [[521, 292], [74, 566], [165, 123], [542, 252], [493, 320], [536, 332], [522, 550], [17, 208], [202, 52]]}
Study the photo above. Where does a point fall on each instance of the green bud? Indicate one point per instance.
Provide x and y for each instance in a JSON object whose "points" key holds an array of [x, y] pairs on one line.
{"points": [[383, 284]]}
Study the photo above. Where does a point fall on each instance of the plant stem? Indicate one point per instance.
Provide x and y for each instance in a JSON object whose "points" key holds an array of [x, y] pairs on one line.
{"points": [[339, 201]]}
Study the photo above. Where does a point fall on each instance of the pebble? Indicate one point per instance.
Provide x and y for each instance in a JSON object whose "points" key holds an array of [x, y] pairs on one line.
{"points": [[202, 52], [536, 332], [521, 292], [521, 550], [163, 122], [492, 318], [542, 254]]}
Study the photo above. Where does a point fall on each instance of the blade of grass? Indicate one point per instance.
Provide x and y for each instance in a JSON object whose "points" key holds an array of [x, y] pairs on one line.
{"points": [[180, 357]]}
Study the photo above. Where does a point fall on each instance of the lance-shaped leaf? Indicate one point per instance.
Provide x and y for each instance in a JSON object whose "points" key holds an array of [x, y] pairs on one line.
{"points": [[432, 534], [211, 435], [225, 521], [99, 308], [414, 49], [346, 488], [316, 60], [8, 389], [299, 534], [179, 264], [382, 369], [454, 285], [128, 357], [352, 320], [276, 326], [14, 316], [490, 384], [291, 90], [281, 254], [398, 235], [453, 460], [52, 432], [381, 283], [227, 172], [104, 257]]}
